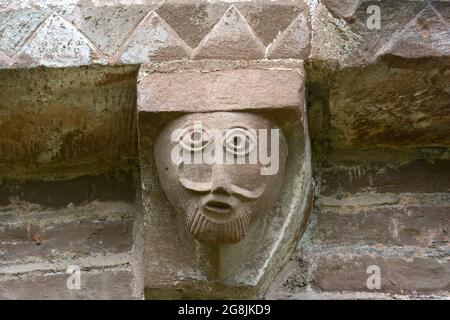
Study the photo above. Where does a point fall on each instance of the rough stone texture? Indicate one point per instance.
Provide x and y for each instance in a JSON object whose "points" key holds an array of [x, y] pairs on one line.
{"points": [[38, 245], [377, 99], [46, 226], [194, 91], [394, 217], [425, 226], [405, 205], [231, 38], [99, 284], [410, 29], [116, 186], [63, 123], [399, 275], [179, 263], [153, 40], [394, 110], [379, 94], [54, 44], [418, 113], [419, 176], [48, 235], [293, 42], [75, 33], [107, 26], [234, 196]]}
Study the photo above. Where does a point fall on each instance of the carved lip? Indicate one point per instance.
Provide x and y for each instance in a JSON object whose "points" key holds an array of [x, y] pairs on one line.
{"points": [[218, 207]]}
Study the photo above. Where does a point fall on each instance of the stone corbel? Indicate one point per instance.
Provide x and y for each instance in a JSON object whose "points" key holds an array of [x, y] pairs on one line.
{"points": [[221, 229]]}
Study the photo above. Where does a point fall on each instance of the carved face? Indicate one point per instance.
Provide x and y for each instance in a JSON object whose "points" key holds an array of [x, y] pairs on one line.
{"points": [[221, 171]]}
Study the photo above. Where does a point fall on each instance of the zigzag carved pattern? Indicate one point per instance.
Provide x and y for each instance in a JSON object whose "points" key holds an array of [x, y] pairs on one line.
{"points": [[67, 37], [410, 30]]}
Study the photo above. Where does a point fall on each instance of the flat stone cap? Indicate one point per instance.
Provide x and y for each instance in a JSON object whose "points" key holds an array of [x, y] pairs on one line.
{"points": [[224, 90]]}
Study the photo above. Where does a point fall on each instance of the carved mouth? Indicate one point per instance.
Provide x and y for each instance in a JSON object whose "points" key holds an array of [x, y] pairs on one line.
{"points": [[218, 207]]}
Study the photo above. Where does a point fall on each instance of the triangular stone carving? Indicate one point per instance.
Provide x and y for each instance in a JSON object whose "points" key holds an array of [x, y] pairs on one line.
{"points": [[16, 26], [153, 40], [106, 26], [294, 42], [427, 35], [443, 8], [268, 21], [192, 20], [231, 38], [4, 60], [395, 16], [56, 43], [343, 8]]}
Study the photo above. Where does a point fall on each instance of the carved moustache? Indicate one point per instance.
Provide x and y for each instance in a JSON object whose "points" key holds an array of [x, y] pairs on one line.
{"points": [[205, 187]]}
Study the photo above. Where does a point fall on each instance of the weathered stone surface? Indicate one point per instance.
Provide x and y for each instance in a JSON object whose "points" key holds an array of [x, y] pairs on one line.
{"points": [[325, 275], [40, 34], [269, 21], [80, 238], [56, 43], [419, 112], [192, 20], [257, 89], [294, 42], [425, 226], [192, 267], [375, 96], [106, 26], [17, 26], [115, 186], [409, 29], [231, 38], [428, 36], [384, 112], [343, 8], [55, 119], [114, 284], [30, 233], [420, 176], [218, 202], [4, 60], [417, 275], [153, 40], [4, 4]]}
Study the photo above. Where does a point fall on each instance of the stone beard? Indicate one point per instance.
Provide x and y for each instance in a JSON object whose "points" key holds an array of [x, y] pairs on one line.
{"points": [[217, 170], [210, 229]]}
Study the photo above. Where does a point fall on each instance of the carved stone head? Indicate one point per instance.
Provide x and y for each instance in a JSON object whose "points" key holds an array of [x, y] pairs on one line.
{"points": [[215, 169], [221, 171]]}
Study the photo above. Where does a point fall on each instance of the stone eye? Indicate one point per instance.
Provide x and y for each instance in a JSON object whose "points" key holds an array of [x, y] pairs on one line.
{"points": [[194, 138], [239, 141]]}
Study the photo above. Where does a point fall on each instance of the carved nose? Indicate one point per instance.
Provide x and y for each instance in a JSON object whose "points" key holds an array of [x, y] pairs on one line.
{"points": [[220, 190], [219, 180]]}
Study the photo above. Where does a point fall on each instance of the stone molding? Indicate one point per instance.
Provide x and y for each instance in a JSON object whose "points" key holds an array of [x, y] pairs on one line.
{"points": [[75, 33], [408, 29]]}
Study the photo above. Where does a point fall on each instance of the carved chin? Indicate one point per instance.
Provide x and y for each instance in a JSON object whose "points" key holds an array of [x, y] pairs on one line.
{"points": [[210, 231]]}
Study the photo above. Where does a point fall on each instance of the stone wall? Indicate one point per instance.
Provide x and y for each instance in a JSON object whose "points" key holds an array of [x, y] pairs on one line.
{"points": [[378, 113]]}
